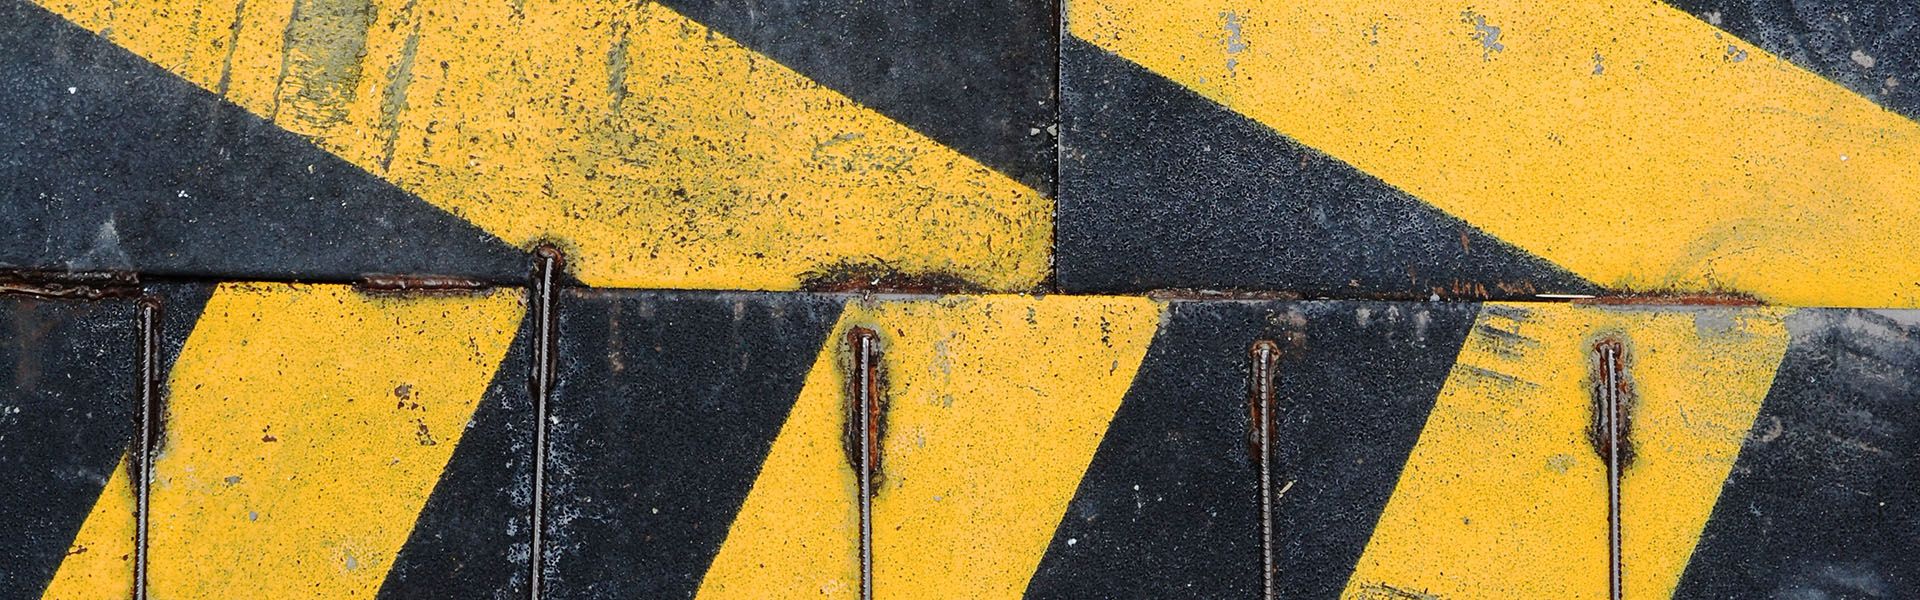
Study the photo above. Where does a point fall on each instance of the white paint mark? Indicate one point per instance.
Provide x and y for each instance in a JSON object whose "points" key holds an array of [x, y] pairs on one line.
{"points": [[1862, 59]]}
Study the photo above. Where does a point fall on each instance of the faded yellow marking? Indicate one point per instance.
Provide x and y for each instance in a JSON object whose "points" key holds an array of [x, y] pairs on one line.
{"points": [[99, 563], [1626, 141], [305, 427], [658, 152], [995, 407], [1504, 495], [1698, 398]]}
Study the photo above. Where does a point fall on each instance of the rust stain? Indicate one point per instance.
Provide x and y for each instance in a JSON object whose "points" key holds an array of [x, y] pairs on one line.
{"points": [[1672, 298], [65, 285], [30, 328], [866, 403], [419, 284], [1264, 360], [1612, 385], [548, 251]]}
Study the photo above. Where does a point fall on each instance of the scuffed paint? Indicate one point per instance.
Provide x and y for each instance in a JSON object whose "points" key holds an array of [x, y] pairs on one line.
{"points": [[305, 427], [99, 565], [711, 171], [1505, 496], [984, 448], [1697, 163]]}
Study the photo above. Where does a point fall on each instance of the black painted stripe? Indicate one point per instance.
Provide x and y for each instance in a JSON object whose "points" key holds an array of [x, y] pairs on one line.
{"points": [[1161, 188], [1869, 46], [473, 539], [1821, 502], [68, 388], [1169, 507], [108, 162], [975, 75], [665, 407]]}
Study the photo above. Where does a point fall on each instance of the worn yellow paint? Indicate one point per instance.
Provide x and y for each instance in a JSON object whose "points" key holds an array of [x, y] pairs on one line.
{"points": [[99, 564], [1626, 141], [1699, 390], [995, 407], [1504, 495], [657, 151], [306, 426]]}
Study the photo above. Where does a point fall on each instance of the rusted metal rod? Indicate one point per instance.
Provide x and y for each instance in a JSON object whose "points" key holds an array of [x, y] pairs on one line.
{"points": [[1265, 357], [864, 417], [1613, 402]]}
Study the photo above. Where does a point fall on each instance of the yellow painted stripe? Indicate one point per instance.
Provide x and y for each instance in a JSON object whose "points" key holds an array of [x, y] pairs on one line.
{"points": [[305, 427], [658, 152], [1624, 140], [99, 564], [1701, 378], [1504, 495], [996, 405]]}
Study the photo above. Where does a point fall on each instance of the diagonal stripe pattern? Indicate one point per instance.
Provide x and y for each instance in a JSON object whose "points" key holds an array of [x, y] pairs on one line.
{"points": [[1505, 495], [305, 428], [658, 152], [1632, 144], [101, 561], [984, 448]]}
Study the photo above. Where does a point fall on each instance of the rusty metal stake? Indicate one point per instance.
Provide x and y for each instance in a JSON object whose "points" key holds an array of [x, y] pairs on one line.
{"points": [[1612, 384], [1265, 357], [549, 262], [864, 417], [149, 413]]}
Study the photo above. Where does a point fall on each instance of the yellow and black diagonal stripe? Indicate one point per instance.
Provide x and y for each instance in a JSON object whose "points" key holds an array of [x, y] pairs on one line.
{"points": [[319, 441], [659, 144], [1479, 149], [1399, 195], [1421, 150]]}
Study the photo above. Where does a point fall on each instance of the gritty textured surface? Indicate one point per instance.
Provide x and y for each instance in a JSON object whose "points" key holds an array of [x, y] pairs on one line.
{"points": [[1870, 46], [656, 151], [474, 536], [305, 427], [67, 407], [1505, 469], [1820, 504], [1169, 508], [1162, 188], [982, 448], [976, 75], [322, 440], [108, 162], [664, 410], [1634, 145]]}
